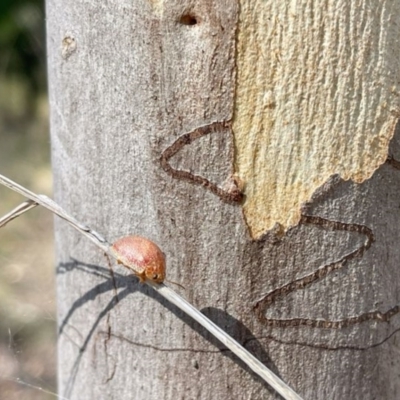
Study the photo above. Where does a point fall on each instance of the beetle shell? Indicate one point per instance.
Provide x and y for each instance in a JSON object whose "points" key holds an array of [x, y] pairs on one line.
{"points": [[142, 256]]}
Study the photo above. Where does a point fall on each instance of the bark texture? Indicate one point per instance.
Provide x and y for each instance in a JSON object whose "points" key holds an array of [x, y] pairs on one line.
{"points": [[318, 304], [317, 92]]}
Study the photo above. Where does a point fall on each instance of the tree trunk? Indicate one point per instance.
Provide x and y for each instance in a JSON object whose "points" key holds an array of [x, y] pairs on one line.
{"points": [[161, 112]]}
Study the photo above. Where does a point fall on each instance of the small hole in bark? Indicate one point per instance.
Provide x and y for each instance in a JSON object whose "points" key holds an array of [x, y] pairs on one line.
{"points": [[188, 19]]}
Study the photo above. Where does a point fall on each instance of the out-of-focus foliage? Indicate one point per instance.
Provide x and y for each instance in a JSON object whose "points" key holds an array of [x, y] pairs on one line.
{"points": [[27, 300], [22, 43]]}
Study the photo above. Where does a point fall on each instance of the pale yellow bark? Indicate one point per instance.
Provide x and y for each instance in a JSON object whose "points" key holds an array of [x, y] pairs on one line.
{"points": [[317, 94]]}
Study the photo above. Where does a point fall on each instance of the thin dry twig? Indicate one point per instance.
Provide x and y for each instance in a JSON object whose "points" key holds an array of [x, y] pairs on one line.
{"points": [[253, 363], [17, 211]]}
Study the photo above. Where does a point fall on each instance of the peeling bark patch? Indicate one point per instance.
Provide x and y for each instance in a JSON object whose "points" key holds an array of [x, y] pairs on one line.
{"points": [[317, 91], [299, 284], [68, 47], [231, 193]]}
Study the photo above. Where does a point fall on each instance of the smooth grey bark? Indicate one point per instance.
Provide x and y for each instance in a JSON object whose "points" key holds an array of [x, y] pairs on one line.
{"points": [[125, 81]]}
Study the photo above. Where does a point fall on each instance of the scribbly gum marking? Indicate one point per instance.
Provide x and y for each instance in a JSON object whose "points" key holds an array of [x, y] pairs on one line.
{"points": [[315, 93]]}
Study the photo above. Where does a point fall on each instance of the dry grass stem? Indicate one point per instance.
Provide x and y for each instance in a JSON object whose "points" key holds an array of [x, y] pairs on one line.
{"points": [[168, 293]]}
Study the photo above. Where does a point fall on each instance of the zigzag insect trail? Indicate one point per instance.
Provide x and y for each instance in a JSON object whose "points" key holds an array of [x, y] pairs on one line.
{"points": [[253, 363], [301, 283], [266, 301], [233, 194]]}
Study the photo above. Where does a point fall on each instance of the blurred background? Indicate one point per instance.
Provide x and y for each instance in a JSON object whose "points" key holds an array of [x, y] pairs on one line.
{"points": [[27, 295]]}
